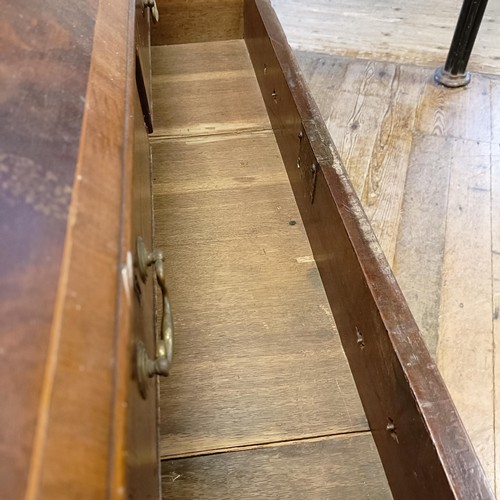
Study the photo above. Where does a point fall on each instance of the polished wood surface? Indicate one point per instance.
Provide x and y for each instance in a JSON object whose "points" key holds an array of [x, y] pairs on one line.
{"points": [[66, 164], [44, 77], [258, 359], [82, 400], [441, 209], [409, 408], [388, 30], [186, 21], [333, 467]]}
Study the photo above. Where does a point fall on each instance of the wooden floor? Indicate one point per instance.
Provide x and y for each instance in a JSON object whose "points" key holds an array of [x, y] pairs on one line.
{"points": [[387, 30], [425, 162], [260, 402]]}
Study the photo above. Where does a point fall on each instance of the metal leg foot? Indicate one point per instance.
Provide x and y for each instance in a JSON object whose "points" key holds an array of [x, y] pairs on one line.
{"points": [[453, 81], [454, 73]]}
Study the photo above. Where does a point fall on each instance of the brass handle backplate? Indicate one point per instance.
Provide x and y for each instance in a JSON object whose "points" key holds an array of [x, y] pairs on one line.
{"points": [[146, 367]]}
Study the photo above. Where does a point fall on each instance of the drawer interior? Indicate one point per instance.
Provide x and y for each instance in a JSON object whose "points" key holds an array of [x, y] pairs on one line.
{"points": [[260, 401]]}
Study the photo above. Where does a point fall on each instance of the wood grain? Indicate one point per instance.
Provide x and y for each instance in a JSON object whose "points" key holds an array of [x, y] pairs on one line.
{"points": [[189, 78], [191, 21], [257, 355], [79, 446], [338, 467], [401, 32], [386, 173], [443, 265], [369, 108], [44, 64], [350, 95], [460, 113]]}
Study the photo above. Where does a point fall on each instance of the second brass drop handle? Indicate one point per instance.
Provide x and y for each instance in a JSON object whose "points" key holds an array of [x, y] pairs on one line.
{"points": [[165, 346]]}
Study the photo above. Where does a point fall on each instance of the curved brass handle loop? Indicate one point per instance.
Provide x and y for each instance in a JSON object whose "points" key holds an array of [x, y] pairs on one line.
{"points": [[165, 346]]}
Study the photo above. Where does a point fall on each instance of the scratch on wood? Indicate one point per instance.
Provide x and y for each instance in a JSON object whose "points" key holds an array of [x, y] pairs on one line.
{"points": [[305, 259]]}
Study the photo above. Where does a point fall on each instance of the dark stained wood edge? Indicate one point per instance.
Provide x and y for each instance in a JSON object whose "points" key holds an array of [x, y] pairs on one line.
{"points": [[421, 440], [123, 337], [80, 447]]}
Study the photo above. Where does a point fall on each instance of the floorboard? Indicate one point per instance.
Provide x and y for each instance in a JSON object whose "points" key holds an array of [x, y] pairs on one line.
{"points": [[463, 113], [495, 261], [340, 467], [418, 263], [465, 338], [416, 33], [370, 110]]}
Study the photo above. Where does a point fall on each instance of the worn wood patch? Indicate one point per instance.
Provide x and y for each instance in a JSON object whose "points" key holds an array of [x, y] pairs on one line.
{"points": [[421, 240], [369, 108], [465, 338]]}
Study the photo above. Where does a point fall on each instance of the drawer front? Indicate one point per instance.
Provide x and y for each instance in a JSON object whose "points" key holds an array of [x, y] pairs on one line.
{"points": [[143, 59], [142, 446]]}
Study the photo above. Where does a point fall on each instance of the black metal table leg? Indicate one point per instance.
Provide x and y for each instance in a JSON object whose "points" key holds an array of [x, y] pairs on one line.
{"points": [[453, 73]]}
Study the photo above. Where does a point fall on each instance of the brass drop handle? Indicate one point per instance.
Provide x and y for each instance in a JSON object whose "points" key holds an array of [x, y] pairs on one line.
{"points": [[165, 346], [155, 15]]}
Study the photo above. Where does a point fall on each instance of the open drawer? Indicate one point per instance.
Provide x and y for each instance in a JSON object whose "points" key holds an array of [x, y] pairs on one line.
{"points": [[299, 371]]}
